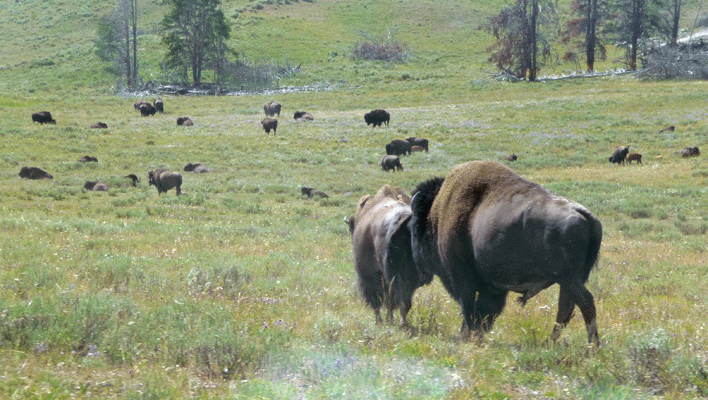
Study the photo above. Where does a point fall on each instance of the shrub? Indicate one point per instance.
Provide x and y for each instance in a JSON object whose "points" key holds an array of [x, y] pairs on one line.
{"points": [[381, 49]]}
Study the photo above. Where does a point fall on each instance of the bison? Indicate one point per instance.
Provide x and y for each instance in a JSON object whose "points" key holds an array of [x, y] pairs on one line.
{"points": [[87, 159], [184, 121], [690, 152], [391, 163], [302, 115], [34, 173], [511, 157], [43, 117], [634, 157], [159, 105], [133, 178], [268, 124], [147, 109], [310, 192], [668, 129], [165, 180], [398, 147], [619, 154], [485, 231], [96, 186], [272, 109], [377, 117], [139, 103], [197, 168], [383, 259], [422, 142], [98, 125]]}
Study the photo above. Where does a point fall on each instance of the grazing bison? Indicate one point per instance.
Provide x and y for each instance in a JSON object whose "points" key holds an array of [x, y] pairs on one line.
{"points": [[87, 159], [268, 124], [159, 105], [165, 180], [34, 173], [302, 115], [184, 121], [98, 125], [383, 259], [147, 109], [377, 117], [485, 231], [668, 129], [398, 147], [690, 152], [139, 103], [511, 157], [43, 117], [197, 168], [271, 109], [619, 154], [310, 192], [134, 178], [96, 186], [634, 157], [391, 163], [422, 142]]}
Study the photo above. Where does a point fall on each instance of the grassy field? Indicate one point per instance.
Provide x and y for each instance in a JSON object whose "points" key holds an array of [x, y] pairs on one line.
{"points": [[244, 288]]}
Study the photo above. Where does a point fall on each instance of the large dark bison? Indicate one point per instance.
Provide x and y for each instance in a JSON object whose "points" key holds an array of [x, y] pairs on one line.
{"points": [[272, 109], [165, 180], [310, 192], [619, 154], [34, 173], [159, 105], [99, 125], [133, 178], [381, 243], [184, 121], [268, 124], [303, 115], [690, 152], [147, 109], [422, 142], [43, 117], [96, 186], [485, 231], [377, 117], [139, 103], [398, 147], [391, 163]]}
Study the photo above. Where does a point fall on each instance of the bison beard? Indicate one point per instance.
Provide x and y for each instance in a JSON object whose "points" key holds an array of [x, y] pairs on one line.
{"points": [[485, 231]]}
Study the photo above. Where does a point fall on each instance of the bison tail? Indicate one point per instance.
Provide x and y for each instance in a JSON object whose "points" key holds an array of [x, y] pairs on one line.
{"points": [[595, 240]]}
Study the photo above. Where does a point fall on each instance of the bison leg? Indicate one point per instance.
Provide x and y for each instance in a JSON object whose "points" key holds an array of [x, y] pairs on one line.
{"points": [[571, 295]]}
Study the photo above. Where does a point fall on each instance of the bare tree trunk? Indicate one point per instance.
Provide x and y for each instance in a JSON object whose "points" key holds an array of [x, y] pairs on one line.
{"points": [[590, 35], [128, 69], [134, 20], [675, 21], [533, 70]]}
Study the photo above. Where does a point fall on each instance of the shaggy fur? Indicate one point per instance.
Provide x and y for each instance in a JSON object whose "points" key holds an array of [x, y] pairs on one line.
{"points": [[619, 154], [98, 125], [159, 105], [268, 124], [165, 180], [271, 109], [96, 186], [422, 142], [377, 117], [391, 163], [184, 121], [34, 173], [302, 115], [43, 117], [634, 157], [398, 147], [310, 192]]}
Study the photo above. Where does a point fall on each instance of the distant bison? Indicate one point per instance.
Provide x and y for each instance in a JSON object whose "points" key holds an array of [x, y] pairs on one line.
{"points": [[98, 125], [197, 168], [43, 117], [377, 117], [34, 173], [398, 147], [268, 124], [310, 192], [485, 231], [165, 180], [96, 186], [690, 152], [87, 159], [133, 178], [184, 121], [668, 129], [147, 109], [271, 109], [619, 154], [422, 142], [383, 259], [159, 105], [634, 157], [391, 163], [139, 103], [302, 115], [512, 157]]}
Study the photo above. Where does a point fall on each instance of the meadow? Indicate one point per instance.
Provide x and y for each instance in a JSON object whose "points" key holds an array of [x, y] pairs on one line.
{"points": [[244, 288]]}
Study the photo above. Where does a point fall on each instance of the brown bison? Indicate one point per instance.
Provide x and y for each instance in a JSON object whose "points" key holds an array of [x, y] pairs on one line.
{"points": [[310, 192], [159, 105], [690, 152], [381, 243], [398, 147], [184, 121], [302, 115], [391, 163], [634, 157], [139, 103], [96, 186], [147, 109], [619, 154], [87, 159], [422, 142], [485, 231], [134, 178], [272, 109], [34, 173], [165, 180], [377, 117], [43, 117], [197, 168], [99, 125], [668, 129], [268, 124]]}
